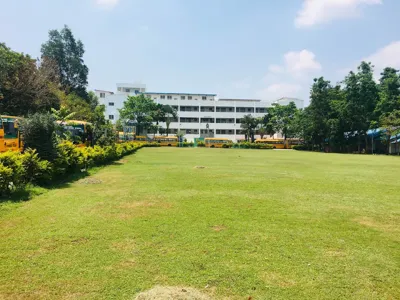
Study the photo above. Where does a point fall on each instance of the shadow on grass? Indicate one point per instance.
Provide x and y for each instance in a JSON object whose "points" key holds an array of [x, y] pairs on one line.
{"points": [[34, 190]]}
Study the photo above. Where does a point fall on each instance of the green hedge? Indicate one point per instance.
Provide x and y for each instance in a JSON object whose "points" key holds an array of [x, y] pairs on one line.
{"points": [[248, 145], [185, 144], [19, 169]]}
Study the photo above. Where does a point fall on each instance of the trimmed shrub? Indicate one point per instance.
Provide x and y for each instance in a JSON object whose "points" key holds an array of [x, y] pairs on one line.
{"points": [[39, 131], [201, 144], [13, 160], [17, 170], [6, 180], [300, 147], [36, 170]]}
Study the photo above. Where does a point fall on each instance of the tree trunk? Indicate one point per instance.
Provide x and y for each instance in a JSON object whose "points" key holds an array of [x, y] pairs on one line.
{"points": [[359, 143], [388, 145]]}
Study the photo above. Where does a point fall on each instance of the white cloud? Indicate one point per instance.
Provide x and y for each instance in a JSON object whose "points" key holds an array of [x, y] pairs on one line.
{"points": [[276, 69], [388, 56], [323, 11], [296, 64], [301, 62], [107, 3], [292, 78]]}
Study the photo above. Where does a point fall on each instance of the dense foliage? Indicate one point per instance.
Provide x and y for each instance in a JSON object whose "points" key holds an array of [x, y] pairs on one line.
{"points": [[19, 169], [40, 134], [67, 53], [146, 114]]}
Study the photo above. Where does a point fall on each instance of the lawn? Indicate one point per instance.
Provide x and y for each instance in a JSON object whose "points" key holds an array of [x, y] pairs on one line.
{"points": [[260, 223]]}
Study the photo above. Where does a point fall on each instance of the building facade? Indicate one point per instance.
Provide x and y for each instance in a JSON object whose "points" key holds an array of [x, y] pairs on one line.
{"points": [[199, 115]]}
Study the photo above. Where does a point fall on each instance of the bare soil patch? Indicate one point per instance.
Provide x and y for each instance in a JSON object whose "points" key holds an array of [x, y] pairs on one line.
{"points": [[172, 293], [218, 228]]}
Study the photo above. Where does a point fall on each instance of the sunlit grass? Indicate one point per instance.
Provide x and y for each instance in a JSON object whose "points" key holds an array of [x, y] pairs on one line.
{"points": [[261, 223]]}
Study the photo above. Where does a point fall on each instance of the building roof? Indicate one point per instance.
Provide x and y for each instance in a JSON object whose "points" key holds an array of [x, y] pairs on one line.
{"points": [[104, 91], [288, 98], [189, 94], [243, 100]]}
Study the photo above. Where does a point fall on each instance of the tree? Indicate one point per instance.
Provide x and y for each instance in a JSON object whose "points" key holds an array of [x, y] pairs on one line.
{"points": [[262, 131], [282, 119], [39, 132], [26, 86], [391, 123], [361, 99], [93, 100], [389, 95], [153, 128], [67, 53], [118, 125], [170, 114], [249, 124], [138, 109]]}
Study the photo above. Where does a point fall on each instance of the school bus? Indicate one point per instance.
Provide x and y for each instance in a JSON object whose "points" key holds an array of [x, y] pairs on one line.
{"points": [[140, 138], [81, 132], [10, 135], [216, 142], [170, 141], [276, 143]]}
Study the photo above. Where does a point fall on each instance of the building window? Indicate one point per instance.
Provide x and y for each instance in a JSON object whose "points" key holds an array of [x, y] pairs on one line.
{"points": [[162, 97], [119, 89], [128, 90], [169, 97], [111, 117], [137, 92], [102, 95], [183, 97], [204, 98], [110, 103], [189, 97]]}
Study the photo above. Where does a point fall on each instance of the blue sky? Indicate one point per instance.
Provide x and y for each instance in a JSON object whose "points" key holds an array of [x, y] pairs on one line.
{"points": [[235, 48]]}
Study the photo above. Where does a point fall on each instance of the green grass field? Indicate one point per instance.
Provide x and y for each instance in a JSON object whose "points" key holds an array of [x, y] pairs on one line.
{"points": [[266, 224]]}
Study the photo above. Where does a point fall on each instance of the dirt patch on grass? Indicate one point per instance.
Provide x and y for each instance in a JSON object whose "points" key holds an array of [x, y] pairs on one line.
{"points": [[90, 181], [335, 253], [369, 222], [172, 293], [126, 246], [129, 205], [276, 279], [218, 228]]}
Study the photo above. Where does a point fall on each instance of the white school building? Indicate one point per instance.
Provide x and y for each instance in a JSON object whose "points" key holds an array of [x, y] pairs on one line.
{"points": [[195, 111]]}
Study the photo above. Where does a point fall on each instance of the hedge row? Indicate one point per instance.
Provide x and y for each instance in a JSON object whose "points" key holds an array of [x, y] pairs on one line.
{"points": [[244, 145], [19, 169]]}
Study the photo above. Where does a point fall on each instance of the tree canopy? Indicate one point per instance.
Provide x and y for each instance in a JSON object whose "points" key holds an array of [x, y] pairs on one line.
{"points": [[67, 53]]}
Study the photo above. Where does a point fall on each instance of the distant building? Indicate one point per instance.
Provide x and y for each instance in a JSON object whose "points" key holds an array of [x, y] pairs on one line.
{"points": [[196, 112], [286, 100]]}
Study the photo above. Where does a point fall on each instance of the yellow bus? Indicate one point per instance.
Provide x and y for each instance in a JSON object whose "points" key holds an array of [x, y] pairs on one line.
{"points": [[276, 143], [80, 131], [216, 142], [10, 135], [170, 141], [140, 138]]}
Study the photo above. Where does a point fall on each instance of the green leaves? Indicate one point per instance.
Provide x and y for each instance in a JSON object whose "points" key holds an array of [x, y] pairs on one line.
{"points": [[67, 53], [141, 110]]}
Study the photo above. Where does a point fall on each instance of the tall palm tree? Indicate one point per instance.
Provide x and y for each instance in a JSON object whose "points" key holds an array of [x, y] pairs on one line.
{"points": [[170, 114]]}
